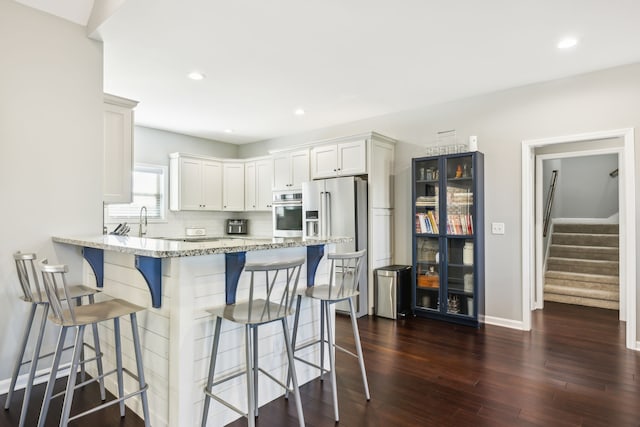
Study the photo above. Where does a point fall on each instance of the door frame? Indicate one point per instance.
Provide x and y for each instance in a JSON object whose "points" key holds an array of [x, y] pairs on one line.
{"points": [[626, 165], [537, 294]]}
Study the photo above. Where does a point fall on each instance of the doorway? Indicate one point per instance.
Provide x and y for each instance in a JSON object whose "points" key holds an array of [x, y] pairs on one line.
{"points": [[531, 228]]}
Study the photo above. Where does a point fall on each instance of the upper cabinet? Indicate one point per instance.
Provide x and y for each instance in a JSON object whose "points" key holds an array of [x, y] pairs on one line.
{"points": [[290, 169], [118, 149], [341, 159], [194, 183], [258, 181], [233, 186]]}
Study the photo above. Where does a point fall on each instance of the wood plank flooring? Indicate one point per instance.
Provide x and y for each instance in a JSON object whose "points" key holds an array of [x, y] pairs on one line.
{"points": [[572, 369]]}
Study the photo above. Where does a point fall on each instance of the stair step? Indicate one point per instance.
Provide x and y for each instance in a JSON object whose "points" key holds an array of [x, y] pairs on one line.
{"points": [[584, 252], [586, 228], [582, 277], [589, 302], [580, 239], [610, 268], [581, 285], [608, 295]]}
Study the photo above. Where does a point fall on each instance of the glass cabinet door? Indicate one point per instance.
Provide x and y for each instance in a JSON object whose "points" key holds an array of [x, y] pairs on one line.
{"points": [[428, 273], [427, 189], [427, 227], [460, 284], [460, 251]]}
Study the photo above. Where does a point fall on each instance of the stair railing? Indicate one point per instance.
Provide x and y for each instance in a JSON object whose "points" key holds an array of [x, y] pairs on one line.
{"points": [[547, 210]]}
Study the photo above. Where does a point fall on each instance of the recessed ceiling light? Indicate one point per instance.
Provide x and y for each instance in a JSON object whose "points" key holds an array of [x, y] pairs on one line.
{"points": [[299, 112], [228, 131], [195, 75], [567, 42]]}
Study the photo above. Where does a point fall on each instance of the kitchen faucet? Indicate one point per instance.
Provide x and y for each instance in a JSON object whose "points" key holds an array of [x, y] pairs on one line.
{"points": [[143, 217]]}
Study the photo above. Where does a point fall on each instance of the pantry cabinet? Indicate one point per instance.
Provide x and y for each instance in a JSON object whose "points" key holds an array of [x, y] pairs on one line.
{"points": [[448, 237]]}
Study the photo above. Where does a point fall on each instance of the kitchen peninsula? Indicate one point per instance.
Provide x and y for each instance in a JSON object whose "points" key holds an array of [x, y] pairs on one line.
{"points": [[177, 280]]}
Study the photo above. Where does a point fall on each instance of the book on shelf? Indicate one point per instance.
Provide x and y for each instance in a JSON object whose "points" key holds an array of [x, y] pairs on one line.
{"points": [[461, 224], [433, 221]]}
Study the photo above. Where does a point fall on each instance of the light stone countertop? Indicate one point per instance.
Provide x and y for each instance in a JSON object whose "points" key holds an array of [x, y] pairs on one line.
{"points": [[171, 248]]}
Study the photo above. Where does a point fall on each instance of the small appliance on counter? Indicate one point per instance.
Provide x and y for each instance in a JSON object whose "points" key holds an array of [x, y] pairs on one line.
{"points": [[237, 226]]}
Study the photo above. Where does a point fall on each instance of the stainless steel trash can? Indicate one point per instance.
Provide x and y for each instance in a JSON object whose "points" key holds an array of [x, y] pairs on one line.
{"points": [[392, 291]]}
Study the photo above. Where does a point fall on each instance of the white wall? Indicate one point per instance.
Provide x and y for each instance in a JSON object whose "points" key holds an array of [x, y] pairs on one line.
{"points": [[602, 100], [50, 151], [584, 188]]}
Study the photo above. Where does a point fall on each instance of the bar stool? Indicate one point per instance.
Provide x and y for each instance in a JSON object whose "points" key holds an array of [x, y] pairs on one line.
{"points": [[67, 316], [343, 285], [31, 293], [275, 305]]}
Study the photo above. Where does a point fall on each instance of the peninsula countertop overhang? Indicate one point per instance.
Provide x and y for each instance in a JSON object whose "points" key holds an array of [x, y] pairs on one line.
{"points": [[157, 247]]}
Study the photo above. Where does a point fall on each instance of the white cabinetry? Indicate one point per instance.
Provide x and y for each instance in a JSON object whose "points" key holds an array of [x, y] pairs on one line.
{"points": [[290, 169], [258, 182], [194, 183], [233, 186], [118, 149], [341, 159]]}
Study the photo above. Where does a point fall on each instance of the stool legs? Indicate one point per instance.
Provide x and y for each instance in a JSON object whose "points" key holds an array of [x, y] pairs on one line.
{"points": [[251, 419], [23, 347], [356, 336], [141, 380], [251, 360], [119, 375], [73, 372], [98, 351], [34, 365], [52, 377], [212, 369], [292, 371], [325, 307]]}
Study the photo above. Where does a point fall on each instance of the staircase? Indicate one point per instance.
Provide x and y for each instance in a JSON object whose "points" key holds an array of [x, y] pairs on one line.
{"points": [[583, 267]]}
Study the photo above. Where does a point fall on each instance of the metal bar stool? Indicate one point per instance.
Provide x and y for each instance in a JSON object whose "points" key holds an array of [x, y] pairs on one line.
{"points": [[32, 293], [275, 306], [343, 285], [67, 316]]}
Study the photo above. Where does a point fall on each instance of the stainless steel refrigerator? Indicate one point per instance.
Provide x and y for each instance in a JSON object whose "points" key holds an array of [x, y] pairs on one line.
{"points": [[338, 207]]}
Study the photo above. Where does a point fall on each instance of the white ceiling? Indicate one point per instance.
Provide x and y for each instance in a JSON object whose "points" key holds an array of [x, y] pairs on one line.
{"points": [[343, 60]]}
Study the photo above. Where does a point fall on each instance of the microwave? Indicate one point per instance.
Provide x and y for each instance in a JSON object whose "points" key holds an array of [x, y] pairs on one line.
{"points": [[287, 214]]}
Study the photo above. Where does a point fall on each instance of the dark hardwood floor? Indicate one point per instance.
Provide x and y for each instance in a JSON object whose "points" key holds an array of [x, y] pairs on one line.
{"points": [[572, 369]]}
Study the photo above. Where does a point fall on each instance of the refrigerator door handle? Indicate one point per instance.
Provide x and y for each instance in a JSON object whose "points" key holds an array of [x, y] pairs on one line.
{"points": [[328, 213], [323, 209]]}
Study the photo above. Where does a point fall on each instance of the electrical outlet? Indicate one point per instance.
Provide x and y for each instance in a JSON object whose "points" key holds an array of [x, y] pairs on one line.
{"points": [[497, 227]]}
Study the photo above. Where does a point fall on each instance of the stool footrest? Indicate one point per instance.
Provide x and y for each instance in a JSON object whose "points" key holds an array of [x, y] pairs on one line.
{"points": [[110, 403], [344, 350], [299, 359], [227, 378], [225, 403]]}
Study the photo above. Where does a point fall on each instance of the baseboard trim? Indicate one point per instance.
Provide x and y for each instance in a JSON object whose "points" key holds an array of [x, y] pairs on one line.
{"points": [[505, 323], [42, 376]]}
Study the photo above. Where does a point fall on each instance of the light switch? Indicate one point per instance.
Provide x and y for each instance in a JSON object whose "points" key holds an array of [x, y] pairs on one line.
{"points": [[497, 227]]}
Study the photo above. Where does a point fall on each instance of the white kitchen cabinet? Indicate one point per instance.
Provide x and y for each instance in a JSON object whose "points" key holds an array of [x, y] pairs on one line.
{"points": [[341, 159], [233, 186], [258, 182], [195, 184], [381, 160], [118, 149], [290, 169]]}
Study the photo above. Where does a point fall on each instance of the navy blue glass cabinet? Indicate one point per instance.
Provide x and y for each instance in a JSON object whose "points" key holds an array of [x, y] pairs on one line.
{"points": [[448, 237]]}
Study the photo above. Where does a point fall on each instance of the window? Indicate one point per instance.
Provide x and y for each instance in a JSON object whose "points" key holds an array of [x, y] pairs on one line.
{"points": [[148, 190]]}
